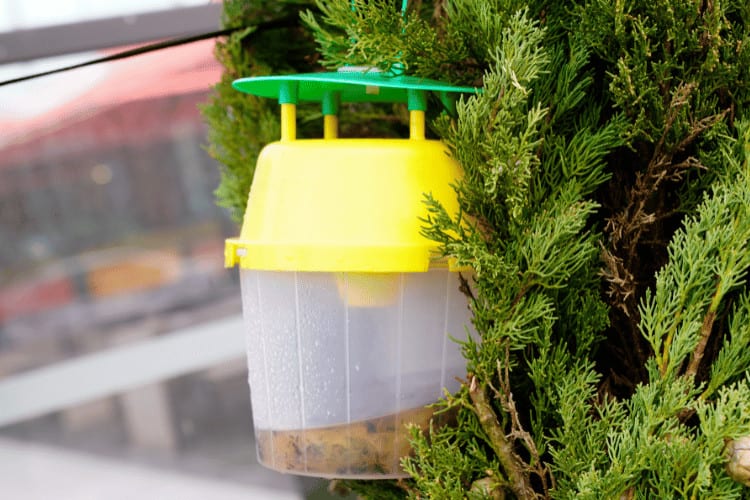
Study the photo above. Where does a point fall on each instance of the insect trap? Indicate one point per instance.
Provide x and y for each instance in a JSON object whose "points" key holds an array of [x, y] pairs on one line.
{"points": [[348, 310]]}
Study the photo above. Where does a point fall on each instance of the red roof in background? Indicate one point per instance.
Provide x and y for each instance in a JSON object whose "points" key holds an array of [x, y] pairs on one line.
{"points": [[147, 83]]}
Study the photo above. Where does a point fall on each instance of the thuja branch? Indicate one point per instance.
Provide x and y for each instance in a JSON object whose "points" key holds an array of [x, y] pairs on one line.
{"points": [[735, 265], [709, 260], [700, 348], [518, 480], [638, 228], [628, 226]]}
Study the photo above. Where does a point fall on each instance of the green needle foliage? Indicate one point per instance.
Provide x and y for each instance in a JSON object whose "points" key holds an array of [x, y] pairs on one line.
{"points": [[271, 42], [605, 212]]}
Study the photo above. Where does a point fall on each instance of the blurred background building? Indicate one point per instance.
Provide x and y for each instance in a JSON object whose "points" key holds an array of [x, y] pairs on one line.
{"points": [[122, 369]]}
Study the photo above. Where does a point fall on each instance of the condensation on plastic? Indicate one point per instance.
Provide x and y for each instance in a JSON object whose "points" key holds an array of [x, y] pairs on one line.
{"points": [[320, 355]]}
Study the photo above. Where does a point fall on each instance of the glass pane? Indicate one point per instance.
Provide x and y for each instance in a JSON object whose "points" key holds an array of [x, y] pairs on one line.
{"points": [[112, 250], [24, 14]]}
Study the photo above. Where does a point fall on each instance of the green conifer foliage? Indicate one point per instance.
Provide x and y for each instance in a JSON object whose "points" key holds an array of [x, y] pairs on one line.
{"points": [[605, 211], [272, 42]]}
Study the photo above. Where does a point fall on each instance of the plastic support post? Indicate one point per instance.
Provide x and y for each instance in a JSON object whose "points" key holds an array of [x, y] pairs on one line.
{"points": [[288, 102], [416, 124], [288, 92], [330, 126], [330, 115], [417, 104], [288, 122], [416, 100], [448, 103]]}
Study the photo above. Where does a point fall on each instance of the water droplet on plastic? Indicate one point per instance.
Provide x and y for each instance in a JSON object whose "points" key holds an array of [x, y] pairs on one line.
{"points": [[356, 367]]}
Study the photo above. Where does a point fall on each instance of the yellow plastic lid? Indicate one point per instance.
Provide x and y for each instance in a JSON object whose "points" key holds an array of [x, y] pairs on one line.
{"points": [[343, 205]]}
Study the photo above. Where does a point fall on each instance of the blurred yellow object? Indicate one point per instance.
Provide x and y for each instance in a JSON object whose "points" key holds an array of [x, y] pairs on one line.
{"points": [[368, 289], [133, 273]]}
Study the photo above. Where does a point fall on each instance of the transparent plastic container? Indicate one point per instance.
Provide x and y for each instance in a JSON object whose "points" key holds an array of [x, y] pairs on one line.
{"points": [[339, 363]]}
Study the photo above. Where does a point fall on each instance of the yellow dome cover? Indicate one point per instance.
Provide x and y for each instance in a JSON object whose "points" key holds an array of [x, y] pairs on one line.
{"points": [[343, 205]]}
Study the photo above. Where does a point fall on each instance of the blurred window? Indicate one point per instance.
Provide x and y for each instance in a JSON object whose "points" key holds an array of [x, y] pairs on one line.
{"points": [[24, 14], [112, 252]]}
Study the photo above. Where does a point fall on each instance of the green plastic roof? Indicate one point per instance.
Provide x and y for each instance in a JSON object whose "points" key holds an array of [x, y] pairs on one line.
{"points": [[354, 85]]}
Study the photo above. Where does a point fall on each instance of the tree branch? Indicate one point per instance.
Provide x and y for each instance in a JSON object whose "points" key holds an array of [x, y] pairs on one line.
{"points": [[700, 348], [518, 480], [644, 216]]}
